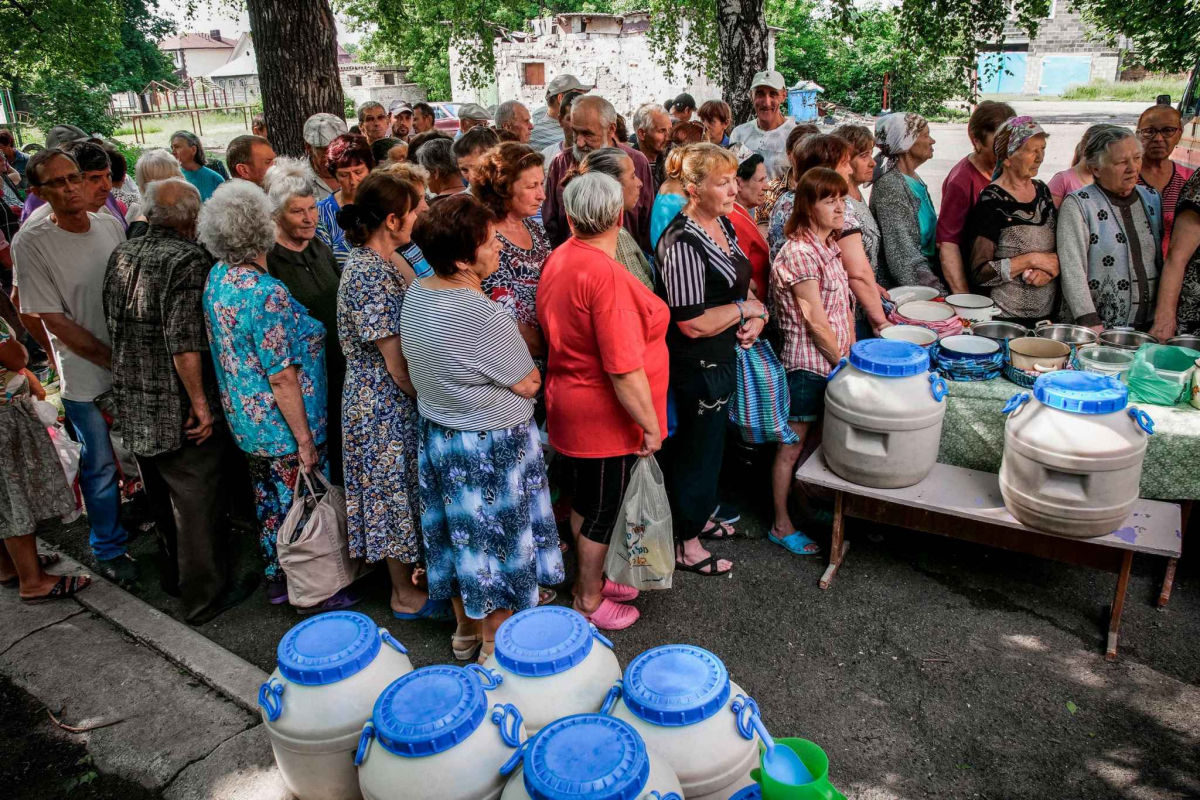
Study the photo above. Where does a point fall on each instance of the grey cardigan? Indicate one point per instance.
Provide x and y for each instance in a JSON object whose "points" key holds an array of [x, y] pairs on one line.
{"points": [[901, 262]]}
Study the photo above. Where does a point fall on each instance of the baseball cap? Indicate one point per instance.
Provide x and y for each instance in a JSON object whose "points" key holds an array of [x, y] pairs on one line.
{"points": [[769, 77], [473, 111], [64, 134], [399, 107], [321, 129], [566, 83]]}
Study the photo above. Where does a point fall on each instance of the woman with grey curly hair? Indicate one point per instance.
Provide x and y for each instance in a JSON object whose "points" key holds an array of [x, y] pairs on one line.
{"points": [[269, 356]]}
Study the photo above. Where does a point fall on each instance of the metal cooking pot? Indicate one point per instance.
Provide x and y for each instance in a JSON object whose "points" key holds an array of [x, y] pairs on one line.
{"points": [[1126, 339], [1061, 332], [1192, 342], [999, 331], [1038, 354]]}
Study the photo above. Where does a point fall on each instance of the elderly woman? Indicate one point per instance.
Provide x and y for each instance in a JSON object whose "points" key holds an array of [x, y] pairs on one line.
{"points": [[1160, 127], [606, 383], [900, 202], [510, 181], [349, 160], [615, 163], [752, 186], [155, 164], [33, 489], [716, 118], [436, 157], [1009, 234], [269, 356], [486, 519], [811, 298], [1178, 310], [379, 406], [862, 168], [189, 152], [1109, 237], [704, 276], [307, 268]]}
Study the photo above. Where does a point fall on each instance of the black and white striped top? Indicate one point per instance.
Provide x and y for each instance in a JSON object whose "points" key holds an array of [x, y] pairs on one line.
{"points": [[463, 353]]}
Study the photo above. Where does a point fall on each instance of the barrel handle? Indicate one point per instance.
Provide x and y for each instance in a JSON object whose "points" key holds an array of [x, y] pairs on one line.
{"points": [[364, 742], [515, 759], [600, 637], [747, 714], [270, 697], [1015, 402], [1142, 419], [508, 720], [1041, 324], [938, 387], [611, 698], [667, 796], [836, 369], [487, 677], [392, 641]]}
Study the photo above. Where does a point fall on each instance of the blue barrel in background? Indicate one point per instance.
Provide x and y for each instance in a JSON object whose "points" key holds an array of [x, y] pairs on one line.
{"points": [[802, 101]]}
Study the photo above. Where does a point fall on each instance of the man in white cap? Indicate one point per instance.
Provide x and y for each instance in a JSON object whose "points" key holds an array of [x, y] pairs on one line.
{"points": [[470, 115], [319, 131], [402, 117], [767, 133], [546, 127]]}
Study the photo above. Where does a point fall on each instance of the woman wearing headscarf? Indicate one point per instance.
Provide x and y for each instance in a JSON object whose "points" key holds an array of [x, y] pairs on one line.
{"points": [[900, 202], [1009, 240]]}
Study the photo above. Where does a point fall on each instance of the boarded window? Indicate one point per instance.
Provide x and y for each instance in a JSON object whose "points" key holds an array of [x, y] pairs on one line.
{"points": [[535, 74], [356, 80], [389, 79]]}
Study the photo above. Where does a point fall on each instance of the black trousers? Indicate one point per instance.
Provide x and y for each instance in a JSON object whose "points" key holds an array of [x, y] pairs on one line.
{"points": [[187, 494], [693, 454]]}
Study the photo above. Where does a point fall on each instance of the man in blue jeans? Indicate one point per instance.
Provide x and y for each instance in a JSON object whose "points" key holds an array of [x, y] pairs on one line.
{"points": [[59, 263]]}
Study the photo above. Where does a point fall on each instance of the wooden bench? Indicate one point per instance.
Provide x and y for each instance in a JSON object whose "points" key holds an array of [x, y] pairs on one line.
{"points": [[951, 495]]}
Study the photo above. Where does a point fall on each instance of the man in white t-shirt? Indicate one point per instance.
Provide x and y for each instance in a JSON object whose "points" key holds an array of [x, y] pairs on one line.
{"points": [[767, 133], [58, 265]]}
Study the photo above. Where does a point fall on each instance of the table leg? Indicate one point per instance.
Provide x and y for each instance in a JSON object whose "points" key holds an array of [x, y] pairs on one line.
{"points": [[1185, 511], [837, 545], [1114, 619]]}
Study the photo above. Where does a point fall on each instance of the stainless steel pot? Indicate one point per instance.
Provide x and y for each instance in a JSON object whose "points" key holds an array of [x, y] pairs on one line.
{"points": [[1126, 340], [999, 331], [1191, 342], [1061, 332]]}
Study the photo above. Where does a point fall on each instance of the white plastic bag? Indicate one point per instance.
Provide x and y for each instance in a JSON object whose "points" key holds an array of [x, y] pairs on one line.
{"points": [[69, 454], [312, 545], [642, 552]]}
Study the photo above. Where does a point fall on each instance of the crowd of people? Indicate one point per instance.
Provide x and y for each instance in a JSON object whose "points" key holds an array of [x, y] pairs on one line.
{"points": [[421, 317]]}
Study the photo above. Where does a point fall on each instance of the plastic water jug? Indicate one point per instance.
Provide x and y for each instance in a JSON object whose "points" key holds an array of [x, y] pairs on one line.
{"points": [[331, 668], [680, 699], [590, 757], [883, 415], [1073, 454], [435, 735], [554, 663]]}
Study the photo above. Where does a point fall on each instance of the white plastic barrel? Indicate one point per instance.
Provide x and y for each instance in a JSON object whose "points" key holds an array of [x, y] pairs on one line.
{"points": [[680, 699], [331, 668], [883, 415], [590, 757], [435, 735], [554, 663], [1073, 454]]}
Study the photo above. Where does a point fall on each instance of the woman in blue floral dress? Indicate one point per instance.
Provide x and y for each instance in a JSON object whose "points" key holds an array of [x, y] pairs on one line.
{"points": [[349, 160], [269, 356], [379, 408]]}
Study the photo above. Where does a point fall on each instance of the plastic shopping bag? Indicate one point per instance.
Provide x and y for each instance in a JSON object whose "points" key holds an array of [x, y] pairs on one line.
{"points": [[312, 545], [1147, 385], [642, 552], [69, 453], [760, 407]]}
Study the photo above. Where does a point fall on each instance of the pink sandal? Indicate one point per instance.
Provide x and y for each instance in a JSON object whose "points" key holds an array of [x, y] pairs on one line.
{"points": [[618, 592], [613, 616]]}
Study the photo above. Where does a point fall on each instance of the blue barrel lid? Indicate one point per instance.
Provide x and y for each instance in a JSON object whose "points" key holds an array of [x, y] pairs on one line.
{"points": [[543, 641], [675, 685], [889, 358], [587, 755], [1081, 392], [751, 792], [428, 711], [328, 648]]}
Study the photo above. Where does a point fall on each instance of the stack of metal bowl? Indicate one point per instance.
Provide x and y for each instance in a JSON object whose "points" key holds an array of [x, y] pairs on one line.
{"points": [[1124, 339], [1192, 342], [1074, 335]]}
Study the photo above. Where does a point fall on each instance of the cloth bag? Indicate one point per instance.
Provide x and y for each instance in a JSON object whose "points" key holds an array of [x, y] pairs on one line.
{"points": [[642, 552], [312, 545], [1144, 382], [760, 406]]}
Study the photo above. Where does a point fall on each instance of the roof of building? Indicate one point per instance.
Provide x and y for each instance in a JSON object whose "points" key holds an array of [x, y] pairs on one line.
{"points": [[198, 41], [246, 65]]}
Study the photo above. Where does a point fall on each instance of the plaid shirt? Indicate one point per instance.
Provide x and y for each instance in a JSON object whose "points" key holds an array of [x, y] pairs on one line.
{"points": [[152, 291], [803, 258]]}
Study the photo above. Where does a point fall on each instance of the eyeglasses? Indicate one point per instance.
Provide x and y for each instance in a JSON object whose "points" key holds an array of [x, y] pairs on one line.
{"points": [[1150, 133], [73, 179]]}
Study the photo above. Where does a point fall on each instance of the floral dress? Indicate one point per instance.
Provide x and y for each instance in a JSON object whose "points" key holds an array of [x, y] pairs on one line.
{"points": [[514, 284], [379, 421], [328, 230]]}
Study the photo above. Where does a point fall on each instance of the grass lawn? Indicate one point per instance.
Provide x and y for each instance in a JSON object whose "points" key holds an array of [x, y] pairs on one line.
{"points": [[218, 128], [1132, 91]]}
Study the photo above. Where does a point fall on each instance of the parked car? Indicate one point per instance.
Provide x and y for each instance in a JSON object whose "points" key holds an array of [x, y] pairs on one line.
{"points": [[445, 117]]}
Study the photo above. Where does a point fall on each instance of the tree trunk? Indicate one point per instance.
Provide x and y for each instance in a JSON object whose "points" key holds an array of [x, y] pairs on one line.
{"points": [[295, 45], [742, 32]]}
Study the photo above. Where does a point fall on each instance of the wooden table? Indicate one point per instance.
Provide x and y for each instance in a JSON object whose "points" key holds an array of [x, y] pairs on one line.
{"points": [[951, 496]]}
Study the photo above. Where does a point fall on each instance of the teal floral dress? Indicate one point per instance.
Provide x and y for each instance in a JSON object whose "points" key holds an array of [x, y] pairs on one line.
{"points": [[379, 421]]}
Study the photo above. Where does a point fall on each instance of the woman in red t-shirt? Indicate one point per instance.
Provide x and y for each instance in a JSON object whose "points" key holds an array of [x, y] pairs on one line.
{"points": [[752, 187], [606, 381]]}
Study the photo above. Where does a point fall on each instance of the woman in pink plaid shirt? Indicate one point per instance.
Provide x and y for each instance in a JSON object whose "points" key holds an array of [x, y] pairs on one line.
{"points": [[813, 307]]}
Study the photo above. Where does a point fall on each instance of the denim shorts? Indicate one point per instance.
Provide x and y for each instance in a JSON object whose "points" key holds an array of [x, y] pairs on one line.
{"points": [[808, 395]]}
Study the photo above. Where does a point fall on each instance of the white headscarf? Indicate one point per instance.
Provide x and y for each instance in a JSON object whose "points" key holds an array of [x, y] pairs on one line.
{"points": [[895, 135]]}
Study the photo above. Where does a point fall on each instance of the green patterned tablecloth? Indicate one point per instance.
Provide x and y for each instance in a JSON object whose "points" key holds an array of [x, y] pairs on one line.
{"points": [[973, 437]]}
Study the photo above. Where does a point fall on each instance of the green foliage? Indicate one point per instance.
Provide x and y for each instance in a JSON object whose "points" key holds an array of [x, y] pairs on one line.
{"points": [[1131, 91], [138, 61], [57, 100], [69, 36], [1165, 35], [669, 20]]}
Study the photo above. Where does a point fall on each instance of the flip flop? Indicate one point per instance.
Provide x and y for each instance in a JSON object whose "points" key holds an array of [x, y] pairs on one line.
{"points": [[710, 531], [613, 616], [618, 592], [731, 516], [699, 567], [465, 647], [796, 543], [66, 586], [436, 610], [44, 560]]}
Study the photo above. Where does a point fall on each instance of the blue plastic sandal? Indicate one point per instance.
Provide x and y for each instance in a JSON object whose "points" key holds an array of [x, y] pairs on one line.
{"points": [[796, 543], [436, 610]]}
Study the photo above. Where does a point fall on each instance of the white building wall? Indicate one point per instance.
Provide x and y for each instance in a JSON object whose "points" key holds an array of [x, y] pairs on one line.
{"points": [[203, 61]]}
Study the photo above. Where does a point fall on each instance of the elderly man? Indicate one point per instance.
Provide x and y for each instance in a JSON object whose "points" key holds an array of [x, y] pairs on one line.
{"points": [[594, 125], [423, 118], [59, 262], [471, 115], [651, 135], [249, 158], [374, 120], [96, 167], [1160, 128], [319, 131], [514, 117], [767, 133], [164, 385], [402, 118], [546, 120]]}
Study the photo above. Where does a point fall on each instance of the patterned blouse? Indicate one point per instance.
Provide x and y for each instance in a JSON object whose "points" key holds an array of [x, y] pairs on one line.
{"points": [[328, 230], [514, 284], [803, 258], [1170, 199], [1188, 311], [257, 329]]}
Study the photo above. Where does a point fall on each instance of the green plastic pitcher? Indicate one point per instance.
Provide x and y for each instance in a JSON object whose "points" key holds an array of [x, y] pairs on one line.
{"points": [[815, 760]]}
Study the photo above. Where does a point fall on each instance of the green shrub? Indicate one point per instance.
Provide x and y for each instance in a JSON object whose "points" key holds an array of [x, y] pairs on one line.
{"points": [[59, 100]]}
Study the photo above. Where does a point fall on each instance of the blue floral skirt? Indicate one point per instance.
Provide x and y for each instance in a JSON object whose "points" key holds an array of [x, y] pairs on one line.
{"points": [[486, 519]]}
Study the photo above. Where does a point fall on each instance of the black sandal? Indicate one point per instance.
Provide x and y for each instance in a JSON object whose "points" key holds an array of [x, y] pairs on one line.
{"points": [[718, 530], [44, 560], [66, 586], [699, 567]]}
